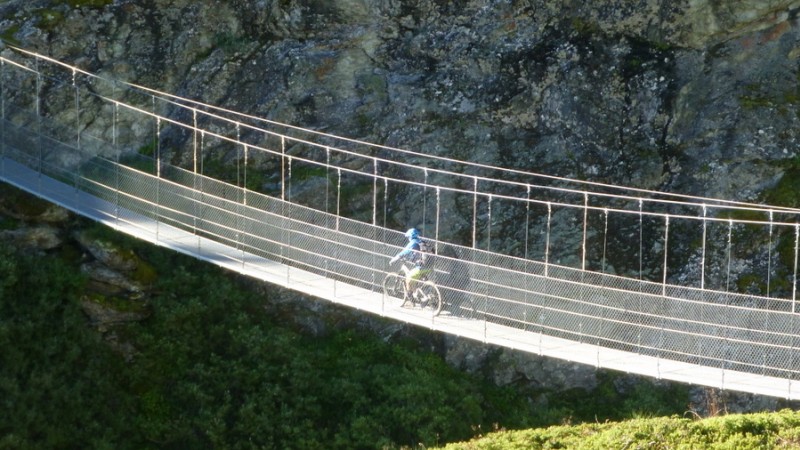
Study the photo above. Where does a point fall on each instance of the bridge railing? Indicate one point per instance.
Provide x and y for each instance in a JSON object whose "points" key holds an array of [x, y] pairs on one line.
{"points": [[81, 133]]}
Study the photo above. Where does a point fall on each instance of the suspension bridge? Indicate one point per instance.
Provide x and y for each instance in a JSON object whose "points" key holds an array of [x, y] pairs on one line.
{"points": [[675, 287]]}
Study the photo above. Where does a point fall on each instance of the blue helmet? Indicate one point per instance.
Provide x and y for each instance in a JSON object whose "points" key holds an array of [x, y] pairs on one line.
{"points": [[412, 233]]}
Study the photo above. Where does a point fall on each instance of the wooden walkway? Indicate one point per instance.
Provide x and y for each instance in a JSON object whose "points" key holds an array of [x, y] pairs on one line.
{"points": [[376, 303]]}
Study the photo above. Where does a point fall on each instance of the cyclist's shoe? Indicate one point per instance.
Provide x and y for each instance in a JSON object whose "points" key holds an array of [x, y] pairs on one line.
{"points": [[423, 299], [406, 300]]}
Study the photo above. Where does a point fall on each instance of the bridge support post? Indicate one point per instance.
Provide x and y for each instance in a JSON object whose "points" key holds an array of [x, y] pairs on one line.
{"points": [[40, 140], [794, 279], [3, 116]]}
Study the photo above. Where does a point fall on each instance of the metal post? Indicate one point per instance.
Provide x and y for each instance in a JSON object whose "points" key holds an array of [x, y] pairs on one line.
{"points": [[3, 115], [338, 211], [664, 291], [77, 111], [385, 214], [583, 258], [39, 124], [436, 238], [641, 239], [794, 281], [194, 142], [641, 284], [425, 197], [728, 268], [486, 267], [585, 223], [436, 247], [438, 210], [374, 221], [238, 158], [158, 173], [243, 204], [114, 118], [202, 186], [547, 240], [605, 239], [283, 168], [769, 254], [792, 353], [329, 244], [727, 302], [244, 181], [195, 176], [287, 220], [527, 261], [603, 270], [475, 213], [527, 222], [703, 256], [375, 192], [240, 193], [666, 254], [489, 223], [327, 180], [699, 342], [338, 196]]}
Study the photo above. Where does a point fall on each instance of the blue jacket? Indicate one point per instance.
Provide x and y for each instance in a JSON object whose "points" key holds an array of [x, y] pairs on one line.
{"points": [[410, 252]]}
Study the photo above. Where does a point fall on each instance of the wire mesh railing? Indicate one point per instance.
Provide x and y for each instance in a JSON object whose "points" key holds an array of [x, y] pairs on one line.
{"points": [[590, 266]]}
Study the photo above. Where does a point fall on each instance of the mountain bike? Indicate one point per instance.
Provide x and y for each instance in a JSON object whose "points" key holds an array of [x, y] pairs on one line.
{"points": [[424, 292]]}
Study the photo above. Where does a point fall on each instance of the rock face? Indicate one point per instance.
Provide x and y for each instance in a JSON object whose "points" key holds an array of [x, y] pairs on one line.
{"points": [[690, 96]]}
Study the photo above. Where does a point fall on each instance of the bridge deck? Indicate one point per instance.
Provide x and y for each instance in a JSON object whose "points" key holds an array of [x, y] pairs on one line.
{"points": [[376, 303]]}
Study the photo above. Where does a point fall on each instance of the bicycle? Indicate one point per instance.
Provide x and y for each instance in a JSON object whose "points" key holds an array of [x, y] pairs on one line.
{"points": [[425, 293]]}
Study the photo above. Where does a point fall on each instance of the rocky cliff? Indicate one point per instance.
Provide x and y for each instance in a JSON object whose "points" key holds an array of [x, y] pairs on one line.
{"points": [[689, 96]]}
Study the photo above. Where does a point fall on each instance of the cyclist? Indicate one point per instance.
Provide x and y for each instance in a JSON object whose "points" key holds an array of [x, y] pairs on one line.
{"points": [[413, 254]]}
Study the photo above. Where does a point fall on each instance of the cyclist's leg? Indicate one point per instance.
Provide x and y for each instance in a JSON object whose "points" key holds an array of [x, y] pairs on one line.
{"points": [[420, 278], [404, 268], [411, 279]]}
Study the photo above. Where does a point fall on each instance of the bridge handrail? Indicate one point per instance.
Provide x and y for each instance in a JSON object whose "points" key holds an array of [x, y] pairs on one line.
{"points": [[696, 201], [597, 208]]}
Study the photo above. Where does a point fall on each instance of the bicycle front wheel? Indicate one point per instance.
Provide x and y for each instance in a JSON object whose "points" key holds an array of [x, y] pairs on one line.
{"points": [[430, 298]]}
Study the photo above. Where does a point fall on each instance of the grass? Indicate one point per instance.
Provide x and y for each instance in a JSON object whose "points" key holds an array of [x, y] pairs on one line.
{"points": [[89, 3], [780, 430], [21, 202]]}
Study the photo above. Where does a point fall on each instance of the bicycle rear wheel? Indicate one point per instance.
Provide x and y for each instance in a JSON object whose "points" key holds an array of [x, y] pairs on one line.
{"points": [[394, 286]]}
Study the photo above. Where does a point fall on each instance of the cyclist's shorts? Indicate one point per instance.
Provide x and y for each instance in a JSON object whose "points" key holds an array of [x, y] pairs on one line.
{"points": [[417, 272]]}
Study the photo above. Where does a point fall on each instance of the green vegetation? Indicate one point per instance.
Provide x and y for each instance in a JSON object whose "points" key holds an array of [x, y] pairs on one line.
{"points": [[212, 369], [305, 171], [758, 96], [25, 204], [59, 382], [753, 431], [585, 27], [229, 42], [7, 35], [787, 191], [143, 160], [49, 19], [7, 223], [89, 3], [148, 150]]}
